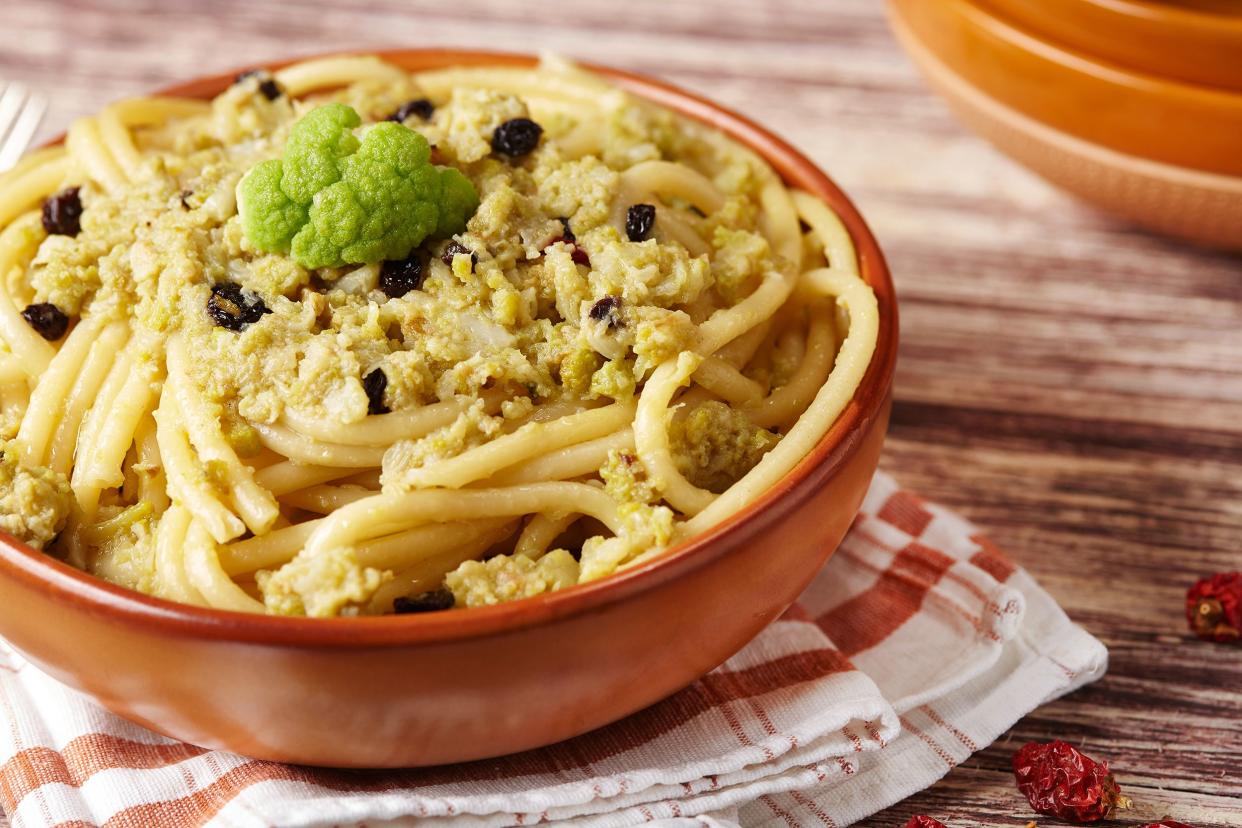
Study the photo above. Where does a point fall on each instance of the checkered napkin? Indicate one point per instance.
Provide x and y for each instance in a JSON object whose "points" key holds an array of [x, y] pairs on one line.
{"points": [[917, 645]]}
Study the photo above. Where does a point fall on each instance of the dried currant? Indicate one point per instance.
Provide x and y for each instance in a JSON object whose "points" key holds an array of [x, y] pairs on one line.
{"points": [[1214, 607], [48, 321], [269, 88], [923, 821], [639, 220], [399, 277], [434, 601], [375, 384], [229, 307], [1061, 781], [608, 310], [421, 107], [62, 213], [516, 137], [455, 249]]}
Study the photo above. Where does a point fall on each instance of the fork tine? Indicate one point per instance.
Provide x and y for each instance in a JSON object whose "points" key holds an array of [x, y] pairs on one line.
{"points": [[23, 130], [10, 101]]}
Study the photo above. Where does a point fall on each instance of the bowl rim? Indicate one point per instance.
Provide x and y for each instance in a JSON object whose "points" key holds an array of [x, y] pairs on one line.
{"points": [[115, 604]]}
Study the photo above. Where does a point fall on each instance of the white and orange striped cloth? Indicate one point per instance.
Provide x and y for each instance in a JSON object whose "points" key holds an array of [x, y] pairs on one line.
{"points": [[919, 644]]}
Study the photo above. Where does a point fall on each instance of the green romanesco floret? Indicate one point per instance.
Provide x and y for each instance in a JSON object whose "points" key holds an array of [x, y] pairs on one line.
{"points": [[335, 200]]}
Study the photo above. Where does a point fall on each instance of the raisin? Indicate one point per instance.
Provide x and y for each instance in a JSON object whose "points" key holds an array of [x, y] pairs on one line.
{"points": [[456, 248], [49, 321], [434, 601], [566, 233], [399, 277], [516, 137], [375, 384], [421, 107], [639, 220], [270, 89], [229, 308], [267, 86], [608, 310], [62, 213]]}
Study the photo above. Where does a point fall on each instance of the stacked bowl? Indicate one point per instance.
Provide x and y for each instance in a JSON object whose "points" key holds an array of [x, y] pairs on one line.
{"points": [[1135, 105]]}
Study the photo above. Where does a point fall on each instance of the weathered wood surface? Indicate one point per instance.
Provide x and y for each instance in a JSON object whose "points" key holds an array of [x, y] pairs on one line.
{"points": [[1067, 381]]}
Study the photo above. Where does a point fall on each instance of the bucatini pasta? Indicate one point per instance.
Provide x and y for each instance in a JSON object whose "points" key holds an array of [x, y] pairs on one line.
{"points": [[346, 340]]}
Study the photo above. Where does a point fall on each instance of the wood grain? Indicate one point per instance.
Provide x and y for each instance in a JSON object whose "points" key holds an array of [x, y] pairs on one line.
{"points": [[1067, 381]]}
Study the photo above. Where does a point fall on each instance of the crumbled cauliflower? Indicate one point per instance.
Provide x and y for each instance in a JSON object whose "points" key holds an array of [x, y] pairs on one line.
{"points": [[34, 502], [625, 479], [472, 117], [644, 273], [714, 445], [126, 556], [509, 577], [321, 586], [472, 427], [740, 256], [645, 528]]}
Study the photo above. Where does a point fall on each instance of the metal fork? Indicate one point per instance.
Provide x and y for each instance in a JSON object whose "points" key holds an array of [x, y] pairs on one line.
{"points": [[21, 110]]}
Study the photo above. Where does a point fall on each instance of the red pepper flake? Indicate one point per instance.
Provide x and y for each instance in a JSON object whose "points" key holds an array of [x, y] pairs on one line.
{"points": [[921, 821], [1214, 607], [1167, 823], [1061, 781]]}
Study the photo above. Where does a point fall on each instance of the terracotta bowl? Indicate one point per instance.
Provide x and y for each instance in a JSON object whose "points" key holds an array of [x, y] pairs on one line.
{"points": [[430, 689], [1137, 114], [1179, 201], [1192, 45]]}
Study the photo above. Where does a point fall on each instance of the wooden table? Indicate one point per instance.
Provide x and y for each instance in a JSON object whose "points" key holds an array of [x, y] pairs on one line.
{"points": [[1067, 381]]}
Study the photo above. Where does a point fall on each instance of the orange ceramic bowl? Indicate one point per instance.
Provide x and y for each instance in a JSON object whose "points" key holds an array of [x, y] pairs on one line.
{"points": [[1189, 204], [1195, 46], [447, 687], [1142, 115]]}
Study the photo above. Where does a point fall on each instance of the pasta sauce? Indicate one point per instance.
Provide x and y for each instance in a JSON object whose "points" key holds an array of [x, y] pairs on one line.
{"points": [[523, 331]]}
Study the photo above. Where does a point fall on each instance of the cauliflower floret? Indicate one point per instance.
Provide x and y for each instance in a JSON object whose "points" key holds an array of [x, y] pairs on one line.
{"points": [[34, 501], [335, 200], [321, 586], [509, 577], [714, 445]]}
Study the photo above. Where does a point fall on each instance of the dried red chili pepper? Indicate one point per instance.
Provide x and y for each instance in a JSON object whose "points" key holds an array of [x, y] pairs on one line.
{"points": [[921, 821], [1060, 781], [1214, 607]]}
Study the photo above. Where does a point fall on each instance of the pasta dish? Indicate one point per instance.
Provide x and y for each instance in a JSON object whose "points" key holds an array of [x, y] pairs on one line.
{"points": [[350, 341]]}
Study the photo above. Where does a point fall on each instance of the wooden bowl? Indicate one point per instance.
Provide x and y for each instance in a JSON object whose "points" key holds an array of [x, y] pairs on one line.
{"points": [[1195, 46], [447, 687], [1183, 125], [1201, 207]]}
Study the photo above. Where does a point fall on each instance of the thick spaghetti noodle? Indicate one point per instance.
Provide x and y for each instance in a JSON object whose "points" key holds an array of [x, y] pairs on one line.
{"points": [[640, 329]]}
